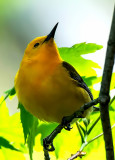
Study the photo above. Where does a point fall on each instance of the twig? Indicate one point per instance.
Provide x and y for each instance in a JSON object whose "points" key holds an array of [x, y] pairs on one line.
{"points": [[84, 145], [97, 136], [46, 155], [48, 141], [78, 154], [104, 92]]}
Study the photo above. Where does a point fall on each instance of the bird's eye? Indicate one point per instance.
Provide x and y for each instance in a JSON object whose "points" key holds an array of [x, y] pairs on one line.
{"points": [[36, 45]]}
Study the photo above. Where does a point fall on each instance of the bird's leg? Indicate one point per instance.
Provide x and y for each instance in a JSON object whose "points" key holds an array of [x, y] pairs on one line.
{"points": [[66, 123], [68, 119]]}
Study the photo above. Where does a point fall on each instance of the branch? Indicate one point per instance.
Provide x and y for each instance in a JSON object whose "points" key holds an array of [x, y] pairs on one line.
{"points": [[80, 152], [103, 100], [104, 92], [48, 141], [46, 155]]}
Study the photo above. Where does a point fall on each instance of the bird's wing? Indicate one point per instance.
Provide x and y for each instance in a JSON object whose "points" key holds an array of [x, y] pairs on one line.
{"points": [[74, 75]]}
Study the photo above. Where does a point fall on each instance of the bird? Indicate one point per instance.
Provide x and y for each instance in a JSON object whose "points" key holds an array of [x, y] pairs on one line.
{"points": [[47, 86]]}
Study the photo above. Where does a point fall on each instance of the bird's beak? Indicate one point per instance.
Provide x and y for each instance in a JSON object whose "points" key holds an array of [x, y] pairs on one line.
{"points": [[51, 34]]}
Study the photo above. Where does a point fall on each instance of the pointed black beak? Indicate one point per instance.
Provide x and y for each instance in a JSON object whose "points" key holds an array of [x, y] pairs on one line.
{"points": [[52, 33]]}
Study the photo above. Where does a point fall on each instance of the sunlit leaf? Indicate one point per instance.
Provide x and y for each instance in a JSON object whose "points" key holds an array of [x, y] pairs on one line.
{"points": [[8, 154], [10, 126], [74, 54], [11, 135], [113, 81]]}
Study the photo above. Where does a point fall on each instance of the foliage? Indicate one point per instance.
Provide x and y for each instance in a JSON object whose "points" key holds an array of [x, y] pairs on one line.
{"points": [[14, 133], [74, 54], [11, 135]]}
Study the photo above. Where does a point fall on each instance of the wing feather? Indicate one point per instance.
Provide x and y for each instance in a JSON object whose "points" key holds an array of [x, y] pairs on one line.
{"points": [[74, 75]]}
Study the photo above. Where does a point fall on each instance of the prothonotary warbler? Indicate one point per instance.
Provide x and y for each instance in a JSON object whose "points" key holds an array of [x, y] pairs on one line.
{"points": [[48, 87]]}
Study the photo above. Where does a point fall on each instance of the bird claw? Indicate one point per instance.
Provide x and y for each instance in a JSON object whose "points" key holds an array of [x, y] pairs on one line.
{"points": [[68, 127], [66, 123], [48, 145]]}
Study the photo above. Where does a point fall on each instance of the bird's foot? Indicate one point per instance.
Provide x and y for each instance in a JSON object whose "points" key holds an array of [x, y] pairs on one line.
{"points": [[66, 123]]}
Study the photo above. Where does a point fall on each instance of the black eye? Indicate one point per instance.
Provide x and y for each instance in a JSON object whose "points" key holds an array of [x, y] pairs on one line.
{"points": [[36, 45]]}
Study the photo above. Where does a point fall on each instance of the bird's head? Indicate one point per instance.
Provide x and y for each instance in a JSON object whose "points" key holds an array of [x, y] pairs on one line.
{"points": [[42, 48]]}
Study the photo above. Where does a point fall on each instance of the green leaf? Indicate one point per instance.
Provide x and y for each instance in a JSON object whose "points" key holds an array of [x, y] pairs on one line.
{"points": [[30, 125], [78, 127], [11, 135], [86, 121], [27, 120], [31, 136], [89, 80], [87, 48], [10, 126], [45, 129], [8, 93], [74, 54], [93, 125], [5, 143], [84, 131], [11, 92], [112, 106]]}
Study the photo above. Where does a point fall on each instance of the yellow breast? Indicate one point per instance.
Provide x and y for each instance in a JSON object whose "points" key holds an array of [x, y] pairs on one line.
{"points": [[49, 95]]}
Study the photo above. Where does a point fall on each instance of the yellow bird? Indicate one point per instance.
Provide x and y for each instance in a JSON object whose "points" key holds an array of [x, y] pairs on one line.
{"points": [[48, 87]]}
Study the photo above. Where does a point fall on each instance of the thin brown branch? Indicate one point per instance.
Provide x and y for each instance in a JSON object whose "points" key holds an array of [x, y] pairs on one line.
{"points": [[78, 154], [73, 156], [104, 92]]}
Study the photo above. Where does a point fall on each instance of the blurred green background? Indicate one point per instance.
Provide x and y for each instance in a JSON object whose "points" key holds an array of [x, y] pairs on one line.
{"points": [[23, 20]]}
